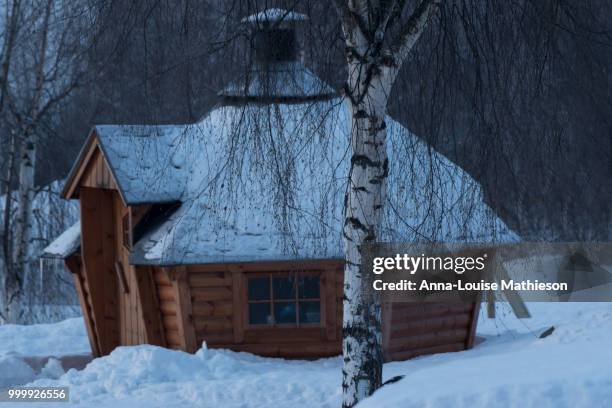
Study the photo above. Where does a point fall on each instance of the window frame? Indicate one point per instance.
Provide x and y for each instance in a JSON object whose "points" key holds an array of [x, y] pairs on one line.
{"points": [[283, 326]]}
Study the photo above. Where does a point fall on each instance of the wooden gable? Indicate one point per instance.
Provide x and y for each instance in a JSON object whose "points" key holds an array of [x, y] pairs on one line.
{"points": [[97, 174], [90, 170]]}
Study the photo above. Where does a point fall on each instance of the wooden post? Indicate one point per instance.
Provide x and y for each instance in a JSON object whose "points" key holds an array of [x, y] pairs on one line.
{"points": [[238, 300], [149, 306], [474, 322], [329, 295], [184, 316], [490, 296], [516, 303], [387, 316]]}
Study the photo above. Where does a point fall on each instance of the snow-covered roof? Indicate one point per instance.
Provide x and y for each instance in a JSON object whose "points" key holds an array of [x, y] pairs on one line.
{"points": [[267, 182], [146, 161], [274, 15], [66, 244], [282, 80]]}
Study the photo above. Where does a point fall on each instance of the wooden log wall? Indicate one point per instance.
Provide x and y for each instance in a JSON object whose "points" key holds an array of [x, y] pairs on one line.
{"points": [[427, 328], [167, 308], [216, 312], [182, 307], [212, 305]]}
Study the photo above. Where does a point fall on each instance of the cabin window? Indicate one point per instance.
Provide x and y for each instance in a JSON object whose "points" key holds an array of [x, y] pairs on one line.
{"points": [[127, 231], [288, 299]]}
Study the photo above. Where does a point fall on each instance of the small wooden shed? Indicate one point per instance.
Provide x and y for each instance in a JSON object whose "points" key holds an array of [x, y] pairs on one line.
{"points": [[289, 309], [186, 237]]}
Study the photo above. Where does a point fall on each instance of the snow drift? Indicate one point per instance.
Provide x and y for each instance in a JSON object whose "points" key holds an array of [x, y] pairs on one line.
{"points": [[513, 367]]}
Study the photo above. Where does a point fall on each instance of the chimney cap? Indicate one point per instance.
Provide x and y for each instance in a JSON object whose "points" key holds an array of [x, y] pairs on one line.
{"points": [[274, 16]]}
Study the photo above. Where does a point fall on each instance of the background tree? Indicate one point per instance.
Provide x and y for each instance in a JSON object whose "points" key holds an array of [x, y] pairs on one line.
{"points": [[43, 65]]}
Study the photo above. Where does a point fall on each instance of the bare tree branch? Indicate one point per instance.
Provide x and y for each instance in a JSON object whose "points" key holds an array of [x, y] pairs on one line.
{"points": [[352, 24], [411, 32]]}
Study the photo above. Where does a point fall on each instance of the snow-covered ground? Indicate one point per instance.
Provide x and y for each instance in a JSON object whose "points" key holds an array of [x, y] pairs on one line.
{"points": [[19, 344], [513, 367], [56, 339]]}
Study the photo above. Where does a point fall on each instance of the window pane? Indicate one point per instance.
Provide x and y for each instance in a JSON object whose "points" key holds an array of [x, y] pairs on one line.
{"points": [[284, 312], [259, 313], [309, 287], [310, 312], [259, 289], [284, 287]]}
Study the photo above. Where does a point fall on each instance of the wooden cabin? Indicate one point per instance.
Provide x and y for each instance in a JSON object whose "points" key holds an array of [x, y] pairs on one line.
{"points": [[289, 309], [178, 246]]}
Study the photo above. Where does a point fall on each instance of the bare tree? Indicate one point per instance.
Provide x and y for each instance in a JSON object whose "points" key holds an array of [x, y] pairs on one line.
{"points": [[44, 69], [11, 28]]}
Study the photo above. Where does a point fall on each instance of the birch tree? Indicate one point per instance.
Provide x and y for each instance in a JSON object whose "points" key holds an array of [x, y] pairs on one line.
{"points": [[376, 47], [46, 69], [27, 160], [9, 35]]}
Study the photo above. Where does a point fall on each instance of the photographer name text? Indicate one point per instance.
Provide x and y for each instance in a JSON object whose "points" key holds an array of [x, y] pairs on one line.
{"points": [[526, 285]]}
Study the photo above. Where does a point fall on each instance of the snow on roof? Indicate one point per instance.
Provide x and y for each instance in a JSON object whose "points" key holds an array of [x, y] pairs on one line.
{"points": [[267, 182], [274, 15], [66, 244], [279, 80], [148, 162]]}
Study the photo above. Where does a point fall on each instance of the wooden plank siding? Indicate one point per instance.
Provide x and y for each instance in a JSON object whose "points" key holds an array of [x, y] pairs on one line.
{"points": [[132, 325], [98, 252], [75, 265], [97, 174]]}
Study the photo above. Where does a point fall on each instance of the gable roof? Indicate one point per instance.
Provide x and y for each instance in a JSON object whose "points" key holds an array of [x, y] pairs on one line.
{"points": [[145, 162]]}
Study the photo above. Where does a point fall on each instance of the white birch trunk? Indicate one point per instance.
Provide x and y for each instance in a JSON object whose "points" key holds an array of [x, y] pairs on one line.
{"points": [[7, 247], [372, 69], [23, 224], [365, 196], [23, 229]]}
